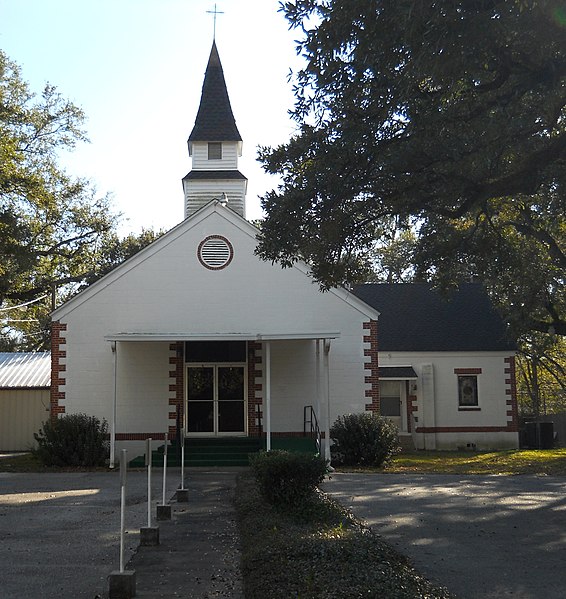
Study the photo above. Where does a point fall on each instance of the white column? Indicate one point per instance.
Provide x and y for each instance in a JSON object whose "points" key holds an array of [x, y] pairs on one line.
{"points": [[113, 345], [267, 412], [327, 397], [317, 375]]}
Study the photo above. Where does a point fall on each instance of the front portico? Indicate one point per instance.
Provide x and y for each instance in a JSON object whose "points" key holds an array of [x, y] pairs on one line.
{"points": [[227, 384]]}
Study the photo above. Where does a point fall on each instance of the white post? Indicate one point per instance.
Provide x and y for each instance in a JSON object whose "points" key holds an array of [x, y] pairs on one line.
{"points": [[317, 375], [164, 468], [123, 470], [148, 464], [182, 460], [267, 414], [327, 392], [114, 401]]}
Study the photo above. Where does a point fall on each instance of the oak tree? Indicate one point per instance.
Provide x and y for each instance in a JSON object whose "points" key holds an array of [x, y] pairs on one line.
{"points": [[450, 113]]}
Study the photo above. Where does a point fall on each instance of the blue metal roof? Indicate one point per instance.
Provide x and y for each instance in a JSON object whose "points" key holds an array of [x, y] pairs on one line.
{"points": [[25, 370]]}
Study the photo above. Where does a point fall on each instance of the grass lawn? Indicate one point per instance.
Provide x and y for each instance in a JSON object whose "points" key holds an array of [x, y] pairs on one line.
{"points": [[27, 462], [523, 461], [21, 462]]}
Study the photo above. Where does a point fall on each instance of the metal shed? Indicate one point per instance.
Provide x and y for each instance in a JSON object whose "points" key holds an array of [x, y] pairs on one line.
{"points": [[24, 398]]}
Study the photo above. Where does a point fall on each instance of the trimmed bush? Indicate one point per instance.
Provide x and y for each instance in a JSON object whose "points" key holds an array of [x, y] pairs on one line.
{"points": [[287, 478], [74, 440], [365, 439]]}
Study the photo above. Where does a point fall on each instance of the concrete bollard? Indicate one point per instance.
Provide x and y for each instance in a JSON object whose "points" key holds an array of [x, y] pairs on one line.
{"points": [[122, 583], [182, 495], [149, 535]]}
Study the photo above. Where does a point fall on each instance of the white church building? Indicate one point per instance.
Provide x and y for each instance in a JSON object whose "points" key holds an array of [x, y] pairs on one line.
{"points": [[196, 335]]}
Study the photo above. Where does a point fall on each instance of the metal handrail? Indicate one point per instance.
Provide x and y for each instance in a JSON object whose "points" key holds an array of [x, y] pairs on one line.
{"points": [[310, 426]]}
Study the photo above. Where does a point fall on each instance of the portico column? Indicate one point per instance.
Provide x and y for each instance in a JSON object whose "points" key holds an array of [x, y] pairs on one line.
{"points": [[327, 397], [317, 376], [113, 345], [267, 413]]}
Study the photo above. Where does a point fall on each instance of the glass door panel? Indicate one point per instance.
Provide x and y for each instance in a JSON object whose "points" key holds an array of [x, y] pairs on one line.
{"points": [[216, 399], [231, 399], [200, 399]]}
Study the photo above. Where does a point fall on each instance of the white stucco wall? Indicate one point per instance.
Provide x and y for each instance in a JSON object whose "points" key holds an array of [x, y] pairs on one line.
{"points": [[437, 399], [164, 289]]}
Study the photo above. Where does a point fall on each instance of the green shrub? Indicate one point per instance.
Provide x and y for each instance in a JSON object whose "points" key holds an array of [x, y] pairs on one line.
{"points": [[287, 478], [365, 439], [75, 440]]}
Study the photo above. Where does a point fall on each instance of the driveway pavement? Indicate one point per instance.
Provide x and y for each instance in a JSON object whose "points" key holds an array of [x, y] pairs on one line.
{"points": [[483, 537], [59, 532], [59, 535]]}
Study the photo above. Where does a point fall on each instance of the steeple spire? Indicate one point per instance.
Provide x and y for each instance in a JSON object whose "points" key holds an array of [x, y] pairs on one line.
{"points": [[215, 120], [215, 145]]}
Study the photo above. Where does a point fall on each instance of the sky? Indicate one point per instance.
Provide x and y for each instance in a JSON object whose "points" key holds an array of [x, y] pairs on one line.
{"points": [[136, 68]]}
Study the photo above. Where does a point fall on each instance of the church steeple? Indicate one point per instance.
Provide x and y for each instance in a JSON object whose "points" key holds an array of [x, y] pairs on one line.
{"points": [[215, 119], [214, 145]]}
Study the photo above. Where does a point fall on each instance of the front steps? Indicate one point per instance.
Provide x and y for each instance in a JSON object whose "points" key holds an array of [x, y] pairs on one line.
{"points": [[221, 451]]}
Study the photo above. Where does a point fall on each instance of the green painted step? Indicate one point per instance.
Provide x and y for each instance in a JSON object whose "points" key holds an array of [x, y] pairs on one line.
{"points": [[222, 451]]}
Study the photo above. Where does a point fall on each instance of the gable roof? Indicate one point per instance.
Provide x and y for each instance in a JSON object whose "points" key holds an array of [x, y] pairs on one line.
{"points": [[215, 120], [416, 317], [25, 370], [230, 216]]}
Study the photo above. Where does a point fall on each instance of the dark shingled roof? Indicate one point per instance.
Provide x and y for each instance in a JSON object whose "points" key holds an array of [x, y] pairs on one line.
{"points": [[215, 120], [214, 175], [415, 317], [397, 372]]}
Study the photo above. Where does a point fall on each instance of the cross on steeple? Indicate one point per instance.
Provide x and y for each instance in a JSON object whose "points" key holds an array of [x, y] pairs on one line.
{"points": [[214, 12]]}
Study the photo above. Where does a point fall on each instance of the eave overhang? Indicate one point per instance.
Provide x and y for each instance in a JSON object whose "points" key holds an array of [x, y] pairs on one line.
{"points": [[220, 336]]}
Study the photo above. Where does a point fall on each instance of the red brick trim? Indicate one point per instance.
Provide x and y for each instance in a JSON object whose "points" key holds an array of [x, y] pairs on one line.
{"points": [[372, 366], [140, 436], [176, 386], [58, 351], [255, 399], [462, 429], [467, 370], [511, 390]]}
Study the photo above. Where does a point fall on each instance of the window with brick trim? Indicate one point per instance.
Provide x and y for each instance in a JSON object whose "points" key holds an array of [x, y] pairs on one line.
{"points": [[467, 390]]}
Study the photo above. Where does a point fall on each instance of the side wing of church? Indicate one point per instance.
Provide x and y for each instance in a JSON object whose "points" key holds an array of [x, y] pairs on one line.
{"points": [[196, 336]]}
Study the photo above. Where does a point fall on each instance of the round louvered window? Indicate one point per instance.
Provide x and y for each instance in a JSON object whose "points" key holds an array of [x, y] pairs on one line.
{"points": [[215, 252]]}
